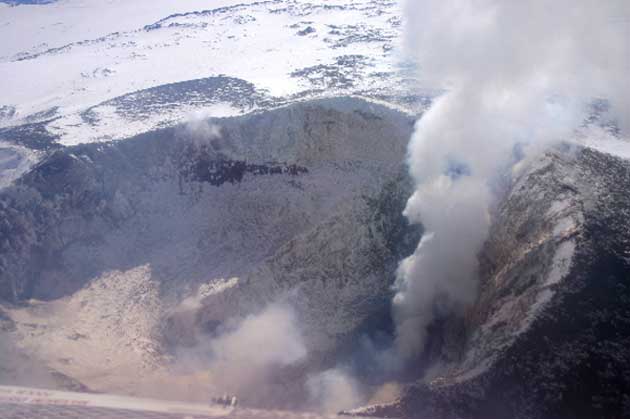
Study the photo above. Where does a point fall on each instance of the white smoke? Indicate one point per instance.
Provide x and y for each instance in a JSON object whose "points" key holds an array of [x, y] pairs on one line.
{"points": [[519, 76], [262, 359], [243, 358], [18, 368], [270, 338], [334, 390], [199, 128]]}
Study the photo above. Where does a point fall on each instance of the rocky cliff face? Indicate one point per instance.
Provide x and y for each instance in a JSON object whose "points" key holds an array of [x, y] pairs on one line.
{"points": [[281, 171], [547, 336], [303, 203]]}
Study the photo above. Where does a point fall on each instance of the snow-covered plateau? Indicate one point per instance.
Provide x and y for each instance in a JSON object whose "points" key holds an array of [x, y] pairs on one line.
{"points": [[96, 71]]}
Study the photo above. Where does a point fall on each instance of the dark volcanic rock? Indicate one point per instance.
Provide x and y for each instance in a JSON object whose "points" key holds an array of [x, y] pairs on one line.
{"points": [[548, 336], [142, 104], [201, 166], [33, 135], [306, 31]]}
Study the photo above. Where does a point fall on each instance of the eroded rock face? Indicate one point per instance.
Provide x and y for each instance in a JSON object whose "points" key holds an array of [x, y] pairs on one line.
{"points": [[302, 202], [283, 172], [547, 337]]}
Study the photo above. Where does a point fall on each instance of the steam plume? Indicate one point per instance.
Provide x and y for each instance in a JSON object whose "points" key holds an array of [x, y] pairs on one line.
{"points": [[243, 358], [199, 129], [519, 76], [334, 390]]}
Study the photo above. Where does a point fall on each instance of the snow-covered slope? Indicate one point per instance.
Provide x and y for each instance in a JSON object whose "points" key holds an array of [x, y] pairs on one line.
{"points": [[301, 204], [85, 67]]}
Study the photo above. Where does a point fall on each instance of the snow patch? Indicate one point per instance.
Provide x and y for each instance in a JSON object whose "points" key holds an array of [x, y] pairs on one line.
{"points": [[602, 139], [562, 260]]}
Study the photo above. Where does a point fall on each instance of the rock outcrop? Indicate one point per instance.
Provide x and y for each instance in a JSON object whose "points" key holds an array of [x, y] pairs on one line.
{"points": [[116, 240], [548, 336]]}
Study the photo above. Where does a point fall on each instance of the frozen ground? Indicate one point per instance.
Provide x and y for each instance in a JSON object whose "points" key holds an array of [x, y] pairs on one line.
{"points": [[85, 67], [97, 71]]}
